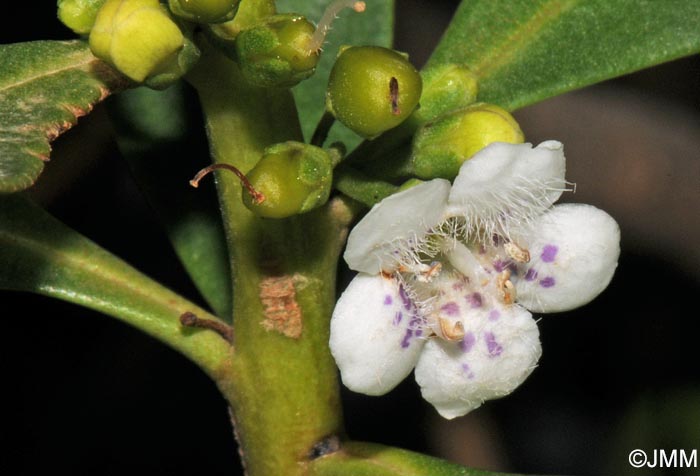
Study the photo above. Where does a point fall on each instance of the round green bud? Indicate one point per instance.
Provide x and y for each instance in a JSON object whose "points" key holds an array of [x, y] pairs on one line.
{"points": [[292, 177], [410, 183], [372, 89], [174, 70], [445, 88], [79, 15], [204, 11], [276, 53], [440, 147], [137, 37]]}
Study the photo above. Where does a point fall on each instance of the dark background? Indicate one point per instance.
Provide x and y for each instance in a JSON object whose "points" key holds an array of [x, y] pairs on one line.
{"points": [[84, 394]]}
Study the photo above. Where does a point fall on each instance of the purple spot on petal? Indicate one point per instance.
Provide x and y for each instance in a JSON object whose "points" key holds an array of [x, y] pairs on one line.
{"points": [[499, 265], [549, 253], [405, 299], [397, 318], [407, 338], [475, 300], [467, 370], [547, 282], [419, 333], [494, 315], [388, 301], [467, 342], [531, 275], [495, 349], [451, 309]]}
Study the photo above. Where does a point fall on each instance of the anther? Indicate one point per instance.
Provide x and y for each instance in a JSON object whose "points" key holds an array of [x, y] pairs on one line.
{"points": [[451, 330], [506, 287], [258, 197], [190, 319], [324, 25], [517, 253]]}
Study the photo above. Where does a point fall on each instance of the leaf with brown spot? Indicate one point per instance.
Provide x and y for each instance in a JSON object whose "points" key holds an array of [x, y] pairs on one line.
{"points": [[45, 86]]}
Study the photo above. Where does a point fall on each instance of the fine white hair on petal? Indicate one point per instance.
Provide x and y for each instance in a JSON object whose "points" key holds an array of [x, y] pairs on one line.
{"points": [[396, 225], [507, 185], [376, 334], [574, 250], [493, 359]]}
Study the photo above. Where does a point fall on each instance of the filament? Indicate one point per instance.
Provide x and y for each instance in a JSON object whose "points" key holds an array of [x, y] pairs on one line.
{"points": [[329, 15]]}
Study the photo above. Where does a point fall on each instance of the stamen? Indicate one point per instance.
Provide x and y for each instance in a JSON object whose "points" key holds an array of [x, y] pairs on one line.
{"points": [[324, 25], [258, 197], [505, 287], [517, 253], [451, 330]]}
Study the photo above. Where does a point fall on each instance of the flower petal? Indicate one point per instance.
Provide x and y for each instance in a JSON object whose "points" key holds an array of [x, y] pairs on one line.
{"points": [[494, 357], [375, 334], [505, 185], [574, 250], [399, 220]]}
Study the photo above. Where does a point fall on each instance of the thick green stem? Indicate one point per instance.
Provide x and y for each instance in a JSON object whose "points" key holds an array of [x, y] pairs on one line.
{"points": [[281, 382]]}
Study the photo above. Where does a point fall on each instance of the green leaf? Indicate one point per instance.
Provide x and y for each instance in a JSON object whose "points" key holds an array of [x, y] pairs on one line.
{"points": [[524, 51], [165, 146], [45, 86], [368, 459], [39, 254], [373, 27]]}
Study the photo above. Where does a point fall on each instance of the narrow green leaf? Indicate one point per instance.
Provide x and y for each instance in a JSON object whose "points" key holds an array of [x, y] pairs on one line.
{"points": [[45, 86], [361, 187], [368, 459], [39, 254], [165, 146], [524, 51], [373, 27]]}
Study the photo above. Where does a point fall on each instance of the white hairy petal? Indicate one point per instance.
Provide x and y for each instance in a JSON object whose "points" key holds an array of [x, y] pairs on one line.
{"points": [[494, 357], [375, 335], [397, 222], [505, 185], [574, 250]]}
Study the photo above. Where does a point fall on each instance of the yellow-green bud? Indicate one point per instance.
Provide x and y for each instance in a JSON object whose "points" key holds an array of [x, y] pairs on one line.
{"points": [[445, 88], [137, 37], [372, 89], [292, 177], [410, 183], [440, 147], [276, 53], [79, 15], [186, 59], [204, 11]]}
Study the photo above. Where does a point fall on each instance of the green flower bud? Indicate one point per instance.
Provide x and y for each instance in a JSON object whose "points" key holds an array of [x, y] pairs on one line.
{"points": [[137, 37], [79, 15], [275, 53], [445, 88], [204, 11], [440, 147], [292, 177], [186, 59], [372, 89], [410, 183]]}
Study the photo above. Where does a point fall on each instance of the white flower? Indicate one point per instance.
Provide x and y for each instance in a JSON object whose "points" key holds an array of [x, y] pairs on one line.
{"points": [[448, 274]]}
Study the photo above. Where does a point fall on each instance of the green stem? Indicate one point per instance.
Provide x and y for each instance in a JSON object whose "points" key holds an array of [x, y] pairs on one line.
{"points": [[282, 383]]}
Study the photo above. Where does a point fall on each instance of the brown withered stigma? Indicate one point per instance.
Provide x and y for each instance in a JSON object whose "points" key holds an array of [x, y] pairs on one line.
{"points": [[258, 197], [190, 319]]}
